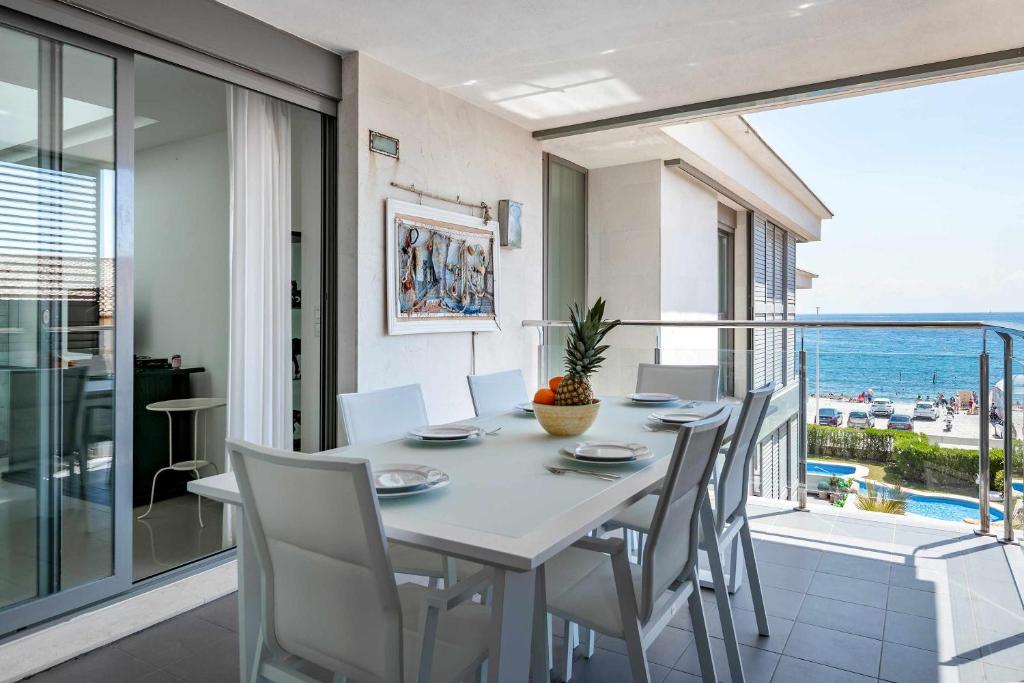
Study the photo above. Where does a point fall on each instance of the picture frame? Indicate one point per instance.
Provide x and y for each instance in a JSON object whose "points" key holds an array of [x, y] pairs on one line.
{"points": [[443, 270]]}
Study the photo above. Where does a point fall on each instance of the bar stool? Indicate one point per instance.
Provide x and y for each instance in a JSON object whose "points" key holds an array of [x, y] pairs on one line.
{"points": [[193, 406]]}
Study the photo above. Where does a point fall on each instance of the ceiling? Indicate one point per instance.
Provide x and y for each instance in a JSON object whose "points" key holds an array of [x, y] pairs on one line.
{"points": [[543, 64]]}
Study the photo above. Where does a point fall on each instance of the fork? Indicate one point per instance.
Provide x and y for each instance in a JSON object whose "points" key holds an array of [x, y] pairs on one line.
{"points": [[564, 470]]}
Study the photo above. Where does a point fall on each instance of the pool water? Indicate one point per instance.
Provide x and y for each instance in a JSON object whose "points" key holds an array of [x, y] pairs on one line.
{"points": [[941, 507], [1018, 486], [830, 469]]}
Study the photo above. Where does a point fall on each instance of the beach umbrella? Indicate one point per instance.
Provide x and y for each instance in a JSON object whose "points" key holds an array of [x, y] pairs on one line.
{"points": [[998, 393]]}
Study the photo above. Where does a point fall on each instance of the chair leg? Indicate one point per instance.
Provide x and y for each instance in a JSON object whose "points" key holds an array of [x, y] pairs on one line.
{"points": [[732, 647], [735, 566], [589, 640], [700, 632], [564, 672], [630, 538], [635, 650], [754, 579]]}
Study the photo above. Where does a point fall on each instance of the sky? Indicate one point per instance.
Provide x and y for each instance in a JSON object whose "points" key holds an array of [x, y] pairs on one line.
{"points": [[927, 188]]}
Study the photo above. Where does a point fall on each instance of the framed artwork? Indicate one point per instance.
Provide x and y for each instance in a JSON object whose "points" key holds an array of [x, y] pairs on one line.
{"points": [[442, 271]]}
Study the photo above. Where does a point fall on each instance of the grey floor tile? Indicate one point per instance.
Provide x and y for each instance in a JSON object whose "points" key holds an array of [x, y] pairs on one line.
{"points": [[848, 589], [781, 576], [107, 664], [746, 629], [904, 664], [791, 670], [910, 601], [834, 648], [1002, 674], [865, 568], [610, 667], [207, 664], [676, 676], [161, 676], [177, 638], [1002, 650], [666, 649], [790, 555], [909, 576], [223, 612], [907, 629], [848, 617], [778, 602], [758, 665], [868, 535]]}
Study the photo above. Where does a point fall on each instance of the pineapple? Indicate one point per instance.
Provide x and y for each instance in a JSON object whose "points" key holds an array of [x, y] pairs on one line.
{"points": [[583, 351]]}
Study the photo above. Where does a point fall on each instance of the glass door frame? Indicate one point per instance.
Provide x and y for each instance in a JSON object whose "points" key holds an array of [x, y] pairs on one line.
{"points": [[48, 606]]}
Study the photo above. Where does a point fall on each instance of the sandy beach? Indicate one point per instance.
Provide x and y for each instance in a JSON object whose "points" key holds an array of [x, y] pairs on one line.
{"points": [[965, 433]]}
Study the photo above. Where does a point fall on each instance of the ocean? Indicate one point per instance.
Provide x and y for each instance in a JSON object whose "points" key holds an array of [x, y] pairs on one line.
{"points": [[902, 364]]}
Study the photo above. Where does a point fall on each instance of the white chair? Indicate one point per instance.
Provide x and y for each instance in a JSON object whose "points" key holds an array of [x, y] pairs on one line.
{"points": [[690, 382], [385, 415], [382, 415], [497, 392], [723, 524], [329, 594], [593, 583]]}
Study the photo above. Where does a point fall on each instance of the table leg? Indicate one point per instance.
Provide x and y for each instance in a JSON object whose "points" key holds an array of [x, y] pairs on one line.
{"points": [[511, 626], [250, 615]]}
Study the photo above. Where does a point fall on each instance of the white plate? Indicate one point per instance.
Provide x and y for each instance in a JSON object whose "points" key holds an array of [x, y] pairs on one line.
{"points": [[676, 417], [607, 453], [393, 481], [652, 397], [526, 407], [445, 433]]}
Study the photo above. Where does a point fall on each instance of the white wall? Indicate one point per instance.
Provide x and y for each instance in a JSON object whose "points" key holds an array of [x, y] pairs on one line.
{"points": [[709, 148], [689, 268], [452, 148], [181, 263], [624, 243]]}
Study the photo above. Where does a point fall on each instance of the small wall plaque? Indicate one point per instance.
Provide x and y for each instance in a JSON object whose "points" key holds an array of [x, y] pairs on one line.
{"points": [[383, 144], [510, 223]]}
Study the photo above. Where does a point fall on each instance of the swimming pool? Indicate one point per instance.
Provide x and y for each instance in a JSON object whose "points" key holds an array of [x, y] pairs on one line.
{"points": [[941, 507], [830, 469], [1018, 486]]}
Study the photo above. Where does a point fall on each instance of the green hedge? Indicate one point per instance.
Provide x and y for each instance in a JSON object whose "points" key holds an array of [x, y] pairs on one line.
{"points": [[907, 455]]}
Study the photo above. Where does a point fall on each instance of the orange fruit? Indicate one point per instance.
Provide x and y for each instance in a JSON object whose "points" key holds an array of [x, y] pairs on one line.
{"points": [[554, 382], [545, 396]]}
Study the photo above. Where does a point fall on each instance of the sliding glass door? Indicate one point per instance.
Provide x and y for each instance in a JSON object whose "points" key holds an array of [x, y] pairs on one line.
{"points": [[59, 346]]}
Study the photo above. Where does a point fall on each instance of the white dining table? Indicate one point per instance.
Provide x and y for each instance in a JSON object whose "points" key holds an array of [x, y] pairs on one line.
{"points": [[502, 509]]}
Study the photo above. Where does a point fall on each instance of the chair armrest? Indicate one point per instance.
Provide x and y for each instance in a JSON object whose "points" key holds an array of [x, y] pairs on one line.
{"points": [[453, 596], [609, 546]]}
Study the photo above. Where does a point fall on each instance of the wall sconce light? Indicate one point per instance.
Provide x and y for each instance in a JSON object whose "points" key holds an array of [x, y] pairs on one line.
{"points": [[510, 223]]}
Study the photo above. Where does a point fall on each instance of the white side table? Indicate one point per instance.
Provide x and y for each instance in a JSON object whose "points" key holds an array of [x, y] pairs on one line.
{"points": [[194, 406]]}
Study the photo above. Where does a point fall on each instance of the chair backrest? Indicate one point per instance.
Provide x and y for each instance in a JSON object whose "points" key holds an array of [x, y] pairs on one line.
{"points": [[733, 485], [329, 594], [497, 392], [693, 382], [383, 415], [671, 550]]}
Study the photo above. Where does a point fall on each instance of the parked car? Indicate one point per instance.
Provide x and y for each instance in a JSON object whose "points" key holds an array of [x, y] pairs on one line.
{"points": [[860, 419], [830, 417], [883, 407], [901, 422], [926, 410]]}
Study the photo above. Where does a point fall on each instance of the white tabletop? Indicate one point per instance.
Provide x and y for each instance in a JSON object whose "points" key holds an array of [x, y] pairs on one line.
{"points": [[502, 507], [176, 405]]}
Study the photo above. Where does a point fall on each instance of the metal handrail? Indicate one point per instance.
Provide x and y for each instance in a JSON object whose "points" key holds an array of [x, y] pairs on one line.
{"points": [[980, 325], [1004, 330]]}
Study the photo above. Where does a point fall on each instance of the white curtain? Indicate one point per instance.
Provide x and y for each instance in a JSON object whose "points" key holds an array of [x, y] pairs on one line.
{"points": [[259, 378]]}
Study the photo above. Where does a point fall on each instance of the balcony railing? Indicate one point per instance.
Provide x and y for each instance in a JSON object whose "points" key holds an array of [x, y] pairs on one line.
{"points": [[667, 341]]}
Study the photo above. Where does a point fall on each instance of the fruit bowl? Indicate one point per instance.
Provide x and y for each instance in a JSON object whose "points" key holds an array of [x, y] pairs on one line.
{"points": [[566, 420]]}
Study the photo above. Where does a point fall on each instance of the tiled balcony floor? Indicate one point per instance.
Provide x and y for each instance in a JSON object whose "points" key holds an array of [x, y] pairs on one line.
{"points": [[850, 599]]}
